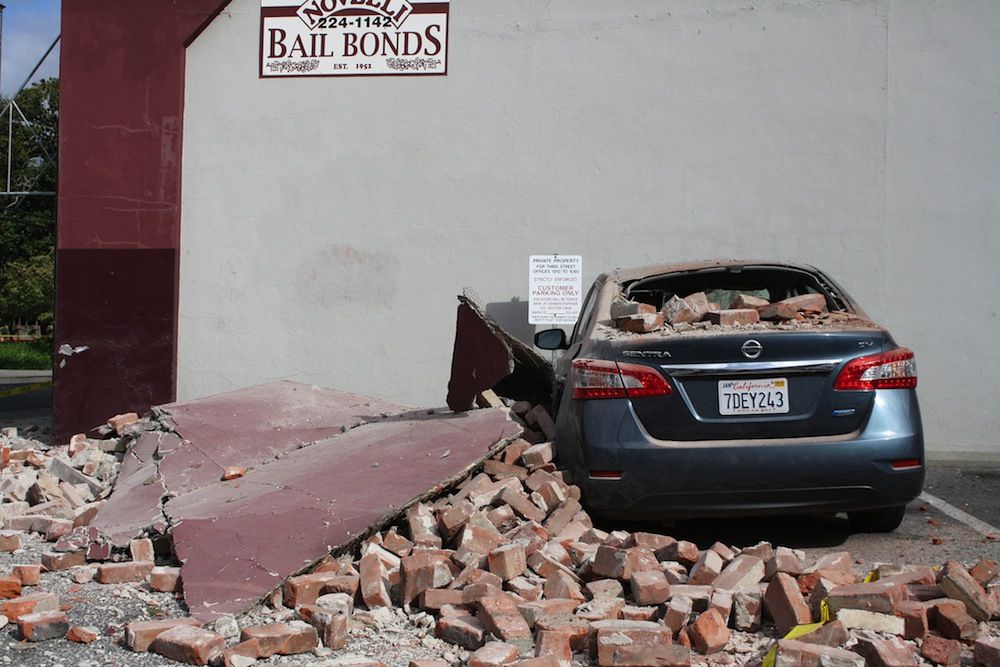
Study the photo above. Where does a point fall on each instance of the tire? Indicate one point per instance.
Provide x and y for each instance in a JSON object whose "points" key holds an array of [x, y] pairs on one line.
{"points": [[884, 520]]}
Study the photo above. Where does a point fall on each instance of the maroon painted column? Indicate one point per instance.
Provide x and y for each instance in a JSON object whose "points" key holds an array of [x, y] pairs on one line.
{"points": [[118, 231]]}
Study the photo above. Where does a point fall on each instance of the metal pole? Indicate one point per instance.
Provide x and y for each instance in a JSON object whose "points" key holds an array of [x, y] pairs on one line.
{"points": [[10, 144], [37, 65]]}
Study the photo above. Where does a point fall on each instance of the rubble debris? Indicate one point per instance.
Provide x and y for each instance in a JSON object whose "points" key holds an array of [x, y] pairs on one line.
{"points": [[695, 312], [487, 357], [494, 557]]}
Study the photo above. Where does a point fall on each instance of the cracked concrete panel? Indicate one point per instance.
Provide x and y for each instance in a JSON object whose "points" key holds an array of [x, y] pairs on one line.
{"points": [[246, 428], [486, 356], [239, 540], [249, 427]]}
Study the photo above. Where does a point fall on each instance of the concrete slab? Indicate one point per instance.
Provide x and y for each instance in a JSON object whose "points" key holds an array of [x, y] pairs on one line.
{"points": [[322, 467]]}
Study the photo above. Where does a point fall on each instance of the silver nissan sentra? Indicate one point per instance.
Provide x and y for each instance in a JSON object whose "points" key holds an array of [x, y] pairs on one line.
{"points": [[809, 410]]}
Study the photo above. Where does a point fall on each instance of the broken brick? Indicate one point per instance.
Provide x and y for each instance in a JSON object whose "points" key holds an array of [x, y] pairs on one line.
{"points": [[959, 585], [282, 638], [941, 651], [953, 622], [642, 323], [141, 550], [464, 631], [10, 587], [743, 573], [30, 575], [421, 571], [493, 654], [508, 561], [53, 561], [43, 625], [742, 316], [140, 634], [885, 652], [706, 569], [120, 573], [373, 590], [709, 633], [499, 615], [785, 604], [165, 579], [10, 540], [649, 587], [986, 651], [81, 634], [188, 644], [914, 615], [15, 608], [876, 596], [537, 455], [634, 642], [798, 653]]}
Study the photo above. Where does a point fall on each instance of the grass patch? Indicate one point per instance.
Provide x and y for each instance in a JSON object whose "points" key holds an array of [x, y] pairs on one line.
{"points": [[35, 355]]}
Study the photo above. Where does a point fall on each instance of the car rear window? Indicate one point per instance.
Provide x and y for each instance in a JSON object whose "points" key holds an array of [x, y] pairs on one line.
{"points": [[723, 284]]}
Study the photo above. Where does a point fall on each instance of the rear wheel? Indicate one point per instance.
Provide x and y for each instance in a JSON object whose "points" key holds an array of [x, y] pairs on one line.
{"points": [[884, 520]]}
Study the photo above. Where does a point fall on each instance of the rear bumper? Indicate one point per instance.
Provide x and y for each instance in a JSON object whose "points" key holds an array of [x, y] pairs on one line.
{"points": [[673, 479]]}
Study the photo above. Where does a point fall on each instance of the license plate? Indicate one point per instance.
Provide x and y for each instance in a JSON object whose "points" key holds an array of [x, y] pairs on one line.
{"points": [[753, 397]]}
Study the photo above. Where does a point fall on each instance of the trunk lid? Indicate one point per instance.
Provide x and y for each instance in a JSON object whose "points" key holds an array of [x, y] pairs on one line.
{"points": [[704, 368]]}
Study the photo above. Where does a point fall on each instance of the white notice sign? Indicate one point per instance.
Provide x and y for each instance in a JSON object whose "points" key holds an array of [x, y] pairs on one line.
{"points": [[555, 288]]}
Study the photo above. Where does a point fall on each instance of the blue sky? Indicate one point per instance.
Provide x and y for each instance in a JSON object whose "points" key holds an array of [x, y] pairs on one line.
{"points": [[29, 26]]}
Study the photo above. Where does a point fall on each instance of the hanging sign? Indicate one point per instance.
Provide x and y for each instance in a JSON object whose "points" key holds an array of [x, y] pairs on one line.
{"points": [[352, 37]]}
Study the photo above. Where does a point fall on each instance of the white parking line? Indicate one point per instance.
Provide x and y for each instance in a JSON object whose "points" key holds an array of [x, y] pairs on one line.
{"points": [[972, 522]]}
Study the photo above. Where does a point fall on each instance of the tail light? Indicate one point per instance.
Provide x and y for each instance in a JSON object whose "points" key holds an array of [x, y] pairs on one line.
{"points": [[594, 378], [890, 370]]}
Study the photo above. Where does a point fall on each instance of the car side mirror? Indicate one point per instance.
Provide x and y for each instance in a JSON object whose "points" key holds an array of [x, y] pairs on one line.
{"points": [[551, 339]]}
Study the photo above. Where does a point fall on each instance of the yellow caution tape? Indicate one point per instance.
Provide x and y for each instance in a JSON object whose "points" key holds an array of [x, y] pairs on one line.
{"points": [[23, 389], [824, 611], [795, 633], [872, 576]]}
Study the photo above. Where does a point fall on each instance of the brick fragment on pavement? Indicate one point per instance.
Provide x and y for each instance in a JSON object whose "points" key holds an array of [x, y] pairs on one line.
{"points": [[282, 638], [15, 608], [188, 644], [784, 602], [121, 573], [43, 625], [54, 561], [10, 587], [243, 654], [29, 574], [81, 634], [10, 540], [984, 571], [140, 634]]}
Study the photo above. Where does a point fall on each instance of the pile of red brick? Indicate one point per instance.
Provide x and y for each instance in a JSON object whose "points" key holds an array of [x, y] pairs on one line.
{"points": [[512, 570], [56, 490], [696, 310]]}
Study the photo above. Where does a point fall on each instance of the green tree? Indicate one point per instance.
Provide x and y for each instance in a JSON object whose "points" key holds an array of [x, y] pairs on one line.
{"points": [[28, 223]]}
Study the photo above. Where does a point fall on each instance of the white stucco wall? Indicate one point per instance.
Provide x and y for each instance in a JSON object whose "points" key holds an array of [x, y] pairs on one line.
{"points": [[328, 223]]}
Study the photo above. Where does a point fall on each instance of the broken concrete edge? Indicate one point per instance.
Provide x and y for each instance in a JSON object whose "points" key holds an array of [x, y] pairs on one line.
{"points": [[392, 517], [530, 377]]}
